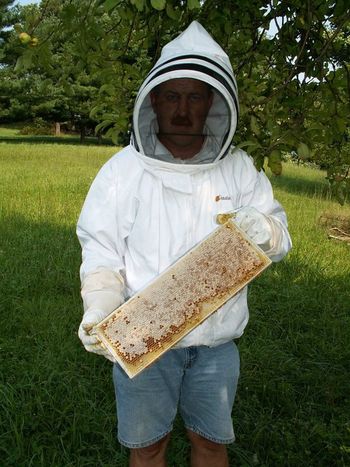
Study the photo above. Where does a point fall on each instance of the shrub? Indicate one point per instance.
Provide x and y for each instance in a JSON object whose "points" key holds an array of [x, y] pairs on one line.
{"points": [[37, 127]]}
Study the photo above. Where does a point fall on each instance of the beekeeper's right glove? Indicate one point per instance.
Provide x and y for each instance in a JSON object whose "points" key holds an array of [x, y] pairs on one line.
{"points": [[256, 225], [102, 293], [266, 231]]}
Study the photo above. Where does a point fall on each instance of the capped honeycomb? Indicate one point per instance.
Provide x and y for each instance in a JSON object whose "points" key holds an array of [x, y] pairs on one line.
{"points": [[180, 298]]}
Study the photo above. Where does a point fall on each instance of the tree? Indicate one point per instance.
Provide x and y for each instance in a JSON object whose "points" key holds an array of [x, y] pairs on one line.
{"points": [[293, 84], [50, 84], [7, 17]]}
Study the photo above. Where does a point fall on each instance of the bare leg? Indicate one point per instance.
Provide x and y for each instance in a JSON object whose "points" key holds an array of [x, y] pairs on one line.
{"points": [[205, 453], [150, 456]]}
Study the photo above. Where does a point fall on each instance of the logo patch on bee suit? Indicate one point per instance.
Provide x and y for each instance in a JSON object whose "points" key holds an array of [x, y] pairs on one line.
{"points": [[222, 198]]}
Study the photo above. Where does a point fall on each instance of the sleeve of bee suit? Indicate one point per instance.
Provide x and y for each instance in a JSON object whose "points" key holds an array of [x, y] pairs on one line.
{"points": [[97, 228], [102, 255]]}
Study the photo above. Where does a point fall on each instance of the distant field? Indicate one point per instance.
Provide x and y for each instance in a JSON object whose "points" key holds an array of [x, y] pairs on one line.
{"points": [[11, 133], [8, 131], [57, 401]]}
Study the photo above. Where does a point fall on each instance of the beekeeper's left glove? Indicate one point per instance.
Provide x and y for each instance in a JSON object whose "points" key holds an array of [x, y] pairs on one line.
{"points": [[256, 225]]}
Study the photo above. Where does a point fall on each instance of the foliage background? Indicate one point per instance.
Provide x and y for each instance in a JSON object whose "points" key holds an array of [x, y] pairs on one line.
{"points": [[83, 62]]}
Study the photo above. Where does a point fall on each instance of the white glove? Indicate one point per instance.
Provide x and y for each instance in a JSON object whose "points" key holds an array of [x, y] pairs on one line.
{"points": [[102, 293], [256, 225], [90, 341]]}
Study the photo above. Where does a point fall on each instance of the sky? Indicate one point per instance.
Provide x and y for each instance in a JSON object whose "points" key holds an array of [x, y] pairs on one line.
{"points": [[26, 2]]}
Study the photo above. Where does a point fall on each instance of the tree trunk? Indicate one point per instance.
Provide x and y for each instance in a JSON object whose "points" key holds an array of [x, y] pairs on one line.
{"points": [[82, 134], [57, 129]]}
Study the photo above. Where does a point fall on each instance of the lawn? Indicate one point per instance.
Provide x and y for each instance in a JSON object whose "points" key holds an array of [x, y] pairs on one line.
{"points": [[293, 402]]}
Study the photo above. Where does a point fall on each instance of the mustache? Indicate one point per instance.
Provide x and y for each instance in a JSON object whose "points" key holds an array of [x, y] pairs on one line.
{"points": [[174, 133], [181, 121]]}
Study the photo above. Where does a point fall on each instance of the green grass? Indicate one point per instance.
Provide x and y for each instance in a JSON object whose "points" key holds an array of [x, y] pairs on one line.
{"points": [[8, 132], [57, 401], [296, 349]]}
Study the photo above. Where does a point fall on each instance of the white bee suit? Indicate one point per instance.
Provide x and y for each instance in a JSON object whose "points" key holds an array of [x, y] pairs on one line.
{"points": [[146, 209]]}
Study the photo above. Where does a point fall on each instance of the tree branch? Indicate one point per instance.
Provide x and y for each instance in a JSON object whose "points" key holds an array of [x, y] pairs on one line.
{"points": [[332, 37]]}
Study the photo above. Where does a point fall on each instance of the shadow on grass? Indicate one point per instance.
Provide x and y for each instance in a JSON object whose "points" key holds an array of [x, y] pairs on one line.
{"points": [[75, 140], [58, 400], [292, 401]]}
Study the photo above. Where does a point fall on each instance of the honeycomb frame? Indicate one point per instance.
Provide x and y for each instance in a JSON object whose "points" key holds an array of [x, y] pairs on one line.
{"points": [[181, 297]]}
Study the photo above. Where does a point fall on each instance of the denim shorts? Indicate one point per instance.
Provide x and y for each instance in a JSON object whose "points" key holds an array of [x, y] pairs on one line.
{"points": [[199, 382]]}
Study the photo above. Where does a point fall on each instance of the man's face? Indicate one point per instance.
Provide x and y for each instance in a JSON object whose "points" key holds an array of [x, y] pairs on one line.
{"points": [[182, 106]]}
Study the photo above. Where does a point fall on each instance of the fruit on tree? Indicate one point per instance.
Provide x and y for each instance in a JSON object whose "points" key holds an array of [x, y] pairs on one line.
{"points": [[25, 38], [34, 42]]}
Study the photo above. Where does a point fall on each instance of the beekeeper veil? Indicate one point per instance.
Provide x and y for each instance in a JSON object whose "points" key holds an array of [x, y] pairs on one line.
{"points": [[193, 54]]}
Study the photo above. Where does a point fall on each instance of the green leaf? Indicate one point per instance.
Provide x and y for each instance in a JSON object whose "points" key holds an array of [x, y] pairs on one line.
{"points": [[18, 28], [249, 144], [108, 89], [254, 125], [24, 61], [275, 162], [341, 124], [139, 4], [102, 125], [172, 13], [158, 4], [303, 151], [301, 23], [259, 162], [315, 126], [228, 28], [193, 4], [125, 13], [340, 192], [110, 4]]}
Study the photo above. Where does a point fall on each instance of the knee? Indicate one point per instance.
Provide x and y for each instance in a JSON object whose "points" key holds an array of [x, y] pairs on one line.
{"points": [[154, 451], [205, 445]]}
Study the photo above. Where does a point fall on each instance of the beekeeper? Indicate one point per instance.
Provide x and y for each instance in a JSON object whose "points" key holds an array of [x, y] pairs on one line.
{"points": [[149, 205]]}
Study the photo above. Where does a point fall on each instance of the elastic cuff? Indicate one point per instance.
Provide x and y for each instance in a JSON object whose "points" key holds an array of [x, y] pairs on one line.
{"points": [[275, 241]]}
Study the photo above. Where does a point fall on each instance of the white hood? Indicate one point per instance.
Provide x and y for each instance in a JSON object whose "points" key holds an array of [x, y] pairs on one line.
{"points": [[193, 54]]}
